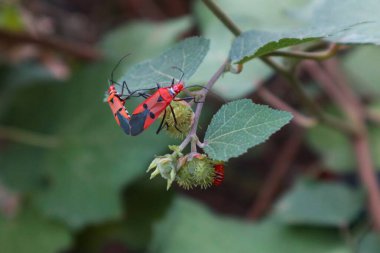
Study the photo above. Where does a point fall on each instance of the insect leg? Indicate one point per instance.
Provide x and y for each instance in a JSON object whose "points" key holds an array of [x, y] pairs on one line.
{"points": [[162, 123], [175, 120]]}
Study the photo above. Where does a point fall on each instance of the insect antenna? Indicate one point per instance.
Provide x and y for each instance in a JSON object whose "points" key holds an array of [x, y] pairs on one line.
{"points": [[117, 65], [183, 73]]}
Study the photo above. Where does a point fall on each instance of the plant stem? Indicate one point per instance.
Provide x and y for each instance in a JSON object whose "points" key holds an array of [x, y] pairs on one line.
{"points": [[222, 17], [307, 102], [28, 137], [367, 175], [193, 131], [319, 56], [357, 134], [328, 84], [280, 167], [276, 102], [360, 140]]}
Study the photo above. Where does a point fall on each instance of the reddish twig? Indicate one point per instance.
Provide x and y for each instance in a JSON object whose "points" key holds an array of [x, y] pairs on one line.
{"points": [[329, 85], [192, 136], [318, 56], [368, 175], [333, 69], [276, 102], [340, 91], [273, 182], [81, 51]]}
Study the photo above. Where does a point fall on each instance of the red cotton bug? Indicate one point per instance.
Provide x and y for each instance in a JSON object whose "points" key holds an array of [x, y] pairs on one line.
{"points": [[219, 174], [149, 110], [117, 103]]}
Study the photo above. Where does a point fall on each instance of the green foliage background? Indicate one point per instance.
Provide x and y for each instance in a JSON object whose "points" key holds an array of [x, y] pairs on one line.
{"points": [[86, 186]]}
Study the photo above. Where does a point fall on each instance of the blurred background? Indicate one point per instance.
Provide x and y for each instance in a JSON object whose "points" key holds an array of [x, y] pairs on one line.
{"points": [[71, 181]]}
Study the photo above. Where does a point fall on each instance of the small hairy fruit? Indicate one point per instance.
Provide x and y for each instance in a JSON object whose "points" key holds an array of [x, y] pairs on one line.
{"points": [[198, 171], [184, 116]]}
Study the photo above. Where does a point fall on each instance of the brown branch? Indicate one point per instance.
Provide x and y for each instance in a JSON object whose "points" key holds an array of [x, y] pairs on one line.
{"points": [[333, 69], [329, 85], [368, 175], [81, 51], [276, 102], [318, 56], [273, 182], [309, 103], [338, 88], [222, 17], [358, 133]]}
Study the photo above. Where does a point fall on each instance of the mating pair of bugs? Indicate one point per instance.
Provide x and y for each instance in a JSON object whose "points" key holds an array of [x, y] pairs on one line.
{"points": [[149, 110]]}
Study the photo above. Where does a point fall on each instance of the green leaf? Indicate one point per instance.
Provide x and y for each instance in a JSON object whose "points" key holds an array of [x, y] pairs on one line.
{"points": [[325, 13], [186, 55], [95, 159], [151, 37], [78, 182], [370, 243], [251, 14], [28, 74], [240, 125], [135, 229], [247, 15], [244, 13], [189, 227], [255, 43], [322, 204], [361, 65], [30, 233], [36, 118], [15, 175]]}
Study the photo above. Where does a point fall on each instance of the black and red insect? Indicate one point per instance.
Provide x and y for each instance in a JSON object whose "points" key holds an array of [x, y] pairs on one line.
{"points": [[149, 110]]}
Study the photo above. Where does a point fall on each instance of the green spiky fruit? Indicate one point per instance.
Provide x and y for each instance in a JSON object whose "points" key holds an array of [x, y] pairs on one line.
{"points": [[204, 172], [185, 179], [198, 171], [184, 116]]}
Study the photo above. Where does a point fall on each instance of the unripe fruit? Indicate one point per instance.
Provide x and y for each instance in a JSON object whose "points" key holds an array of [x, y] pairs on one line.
{"points": [[184, 116]]}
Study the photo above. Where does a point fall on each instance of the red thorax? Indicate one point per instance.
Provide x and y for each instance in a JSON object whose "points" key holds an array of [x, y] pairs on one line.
{"points": [[177, 88]]}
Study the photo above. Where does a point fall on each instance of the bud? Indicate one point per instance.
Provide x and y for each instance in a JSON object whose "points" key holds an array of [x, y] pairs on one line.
{"points": [[166, 165], [163, 165], [184, 116]]}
